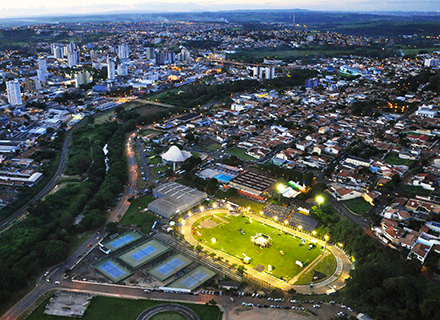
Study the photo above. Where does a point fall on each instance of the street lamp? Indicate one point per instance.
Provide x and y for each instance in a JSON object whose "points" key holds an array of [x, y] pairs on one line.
{"points": [[326, 237], [314, 233], [300, 228], [280, 188], [319, 199]]}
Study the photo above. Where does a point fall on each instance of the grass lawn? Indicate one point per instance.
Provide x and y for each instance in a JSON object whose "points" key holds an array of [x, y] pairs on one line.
{"points": [[326, 266], [391, 159], [209, 145], [134, 216], [115, 309], [358, 205], [240, 153], [213, 147], [243, 202], [149, 131], [155, 160], [168, 315], [147, 109], [230, 240]]}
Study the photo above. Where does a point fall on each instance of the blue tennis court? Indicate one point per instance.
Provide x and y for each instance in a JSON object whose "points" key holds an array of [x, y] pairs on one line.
{"points": [[112, 270], [121, 241], [193, 279], [170, 266], [223, 178], [138, 255], [197, 276], [143, 253]]}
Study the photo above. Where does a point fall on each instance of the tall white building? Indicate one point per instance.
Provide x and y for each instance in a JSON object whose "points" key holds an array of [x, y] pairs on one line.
{"points": [[432, 62], [123, 51], [58, 53], [185, 54], [73, 58], [83, 77], [42, 64], [41, 74], [14, 92], [149, 53], [111, 74], [123, 69]]}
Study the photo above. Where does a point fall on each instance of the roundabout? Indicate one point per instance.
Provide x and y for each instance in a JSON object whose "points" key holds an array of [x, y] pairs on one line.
{"points": [[284, 259]]}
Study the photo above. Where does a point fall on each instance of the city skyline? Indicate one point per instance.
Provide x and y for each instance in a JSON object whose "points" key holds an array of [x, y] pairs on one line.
{"points": [[27, 8]]}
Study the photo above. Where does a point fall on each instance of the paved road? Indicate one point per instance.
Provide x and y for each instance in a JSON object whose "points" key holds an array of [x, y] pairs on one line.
{"points": [[51, 184], [336, 280], [57, 272], [118, 212]]}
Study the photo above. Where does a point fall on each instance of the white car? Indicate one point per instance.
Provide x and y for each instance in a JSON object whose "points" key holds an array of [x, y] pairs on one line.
{"points": [[57, 282]]}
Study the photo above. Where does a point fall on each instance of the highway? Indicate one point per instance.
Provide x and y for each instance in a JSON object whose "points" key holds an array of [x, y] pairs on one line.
{"points": [[51, 184]]}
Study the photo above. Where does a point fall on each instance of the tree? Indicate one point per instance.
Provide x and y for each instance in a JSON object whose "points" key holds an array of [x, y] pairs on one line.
{"points": [[212, 186]]}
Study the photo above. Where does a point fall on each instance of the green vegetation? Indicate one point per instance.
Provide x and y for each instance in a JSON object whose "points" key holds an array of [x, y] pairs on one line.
{"points": [[384, 284], [43, 238], [115, 309], [358, 205], [155, 160], [326, 266], [240, 153], [136, 216], [392, 159], [168, 315], [232, 241], [213, 147]]}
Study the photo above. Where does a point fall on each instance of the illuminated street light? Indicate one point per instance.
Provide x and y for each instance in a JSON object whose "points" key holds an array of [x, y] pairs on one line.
{"points": [[319, 199], [326, 237], [314, 232], [280, 188], [300, 228]]}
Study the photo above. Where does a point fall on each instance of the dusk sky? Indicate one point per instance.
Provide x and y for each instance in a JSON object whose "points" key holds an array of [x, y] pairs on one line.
{"points": [[53, 7]]}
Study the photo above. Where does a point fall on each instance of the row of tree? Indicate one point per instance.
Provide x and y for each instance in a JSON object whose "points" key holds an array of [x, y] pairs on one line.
{"points": [[43, 238]]}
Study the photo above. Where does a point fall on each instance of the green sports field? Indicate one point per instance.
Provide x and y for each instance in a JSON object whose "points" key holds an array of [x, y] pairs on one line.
{"points": [[223, 234]]}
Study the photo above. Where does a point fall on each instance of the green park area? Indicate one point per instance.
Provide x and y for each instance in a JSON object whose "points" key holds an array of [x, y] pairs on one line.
{"points": [[392, 159], [116, 309], [358, 205], [240, 153], [323, 269], [232, 235], [136, 215]]}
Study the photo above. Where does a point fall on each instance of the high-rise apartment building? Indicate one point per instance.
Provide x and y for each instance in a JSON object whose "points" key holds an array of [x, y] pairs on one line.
{"points": [[14, 92], [111, 74]]}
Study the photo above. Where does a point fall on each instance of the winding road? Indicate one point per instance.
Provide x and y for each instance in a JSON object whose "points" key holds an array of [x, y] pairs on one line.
{"points": [[51, 184]]}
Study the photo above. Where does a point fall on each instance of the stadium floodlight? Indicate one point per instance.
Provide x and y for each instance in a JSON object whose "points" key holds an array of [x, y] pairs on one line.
{"points": [[314, 232], [214, 240], [326, 237], [300, 228], [280, 188], [320, 200]]}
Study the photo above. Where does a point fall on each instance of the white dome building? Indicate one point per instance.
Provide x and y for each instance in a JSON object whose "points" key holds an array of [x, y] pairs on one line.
{"points": [[175, 156]]}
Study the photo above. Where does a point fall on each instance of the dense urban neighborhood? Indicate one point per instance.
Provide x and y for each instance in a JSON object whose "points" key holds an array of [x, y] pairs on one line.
{"points": [[241, 164]]}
